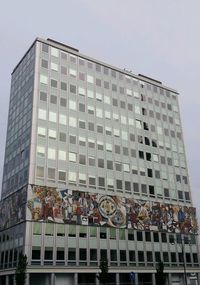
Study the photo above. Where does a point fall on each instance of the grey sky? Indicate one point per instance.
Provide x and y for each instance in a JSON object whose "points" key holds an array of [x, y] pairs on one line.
{"points": [[157, 38]]}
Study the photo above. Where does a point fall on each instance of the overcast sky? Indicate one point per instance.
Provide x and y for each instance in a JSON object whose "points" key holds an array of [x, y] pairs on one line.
{"points": [[160, 39]]}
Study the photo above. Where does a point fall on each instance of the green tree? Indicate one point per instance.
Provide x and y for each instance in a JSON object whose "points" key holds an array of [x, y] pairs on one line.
{"points": [[103, 276], [20, 273], [160, 275]]}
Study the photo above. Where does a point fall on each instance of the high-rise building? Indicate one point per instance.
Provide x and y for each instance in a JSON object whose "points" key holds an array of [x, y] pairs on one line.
{"points": [[94, 167]]}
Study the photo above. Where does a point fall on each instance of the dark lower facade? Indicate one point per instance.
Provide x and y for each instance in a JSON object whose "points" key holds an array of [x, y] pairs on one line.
{"points": [[87, 276]]}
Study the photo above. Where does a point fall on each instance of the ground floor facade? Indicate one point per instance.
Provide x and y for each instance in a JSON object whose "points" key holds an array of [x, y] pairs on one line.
{"points": [[87, 276]]}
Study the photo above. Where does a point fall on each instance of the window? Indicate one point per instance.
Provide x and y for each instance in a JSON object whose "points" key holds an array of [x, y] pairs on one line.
{"points": [[144, 188], [93, 254], [90, 93], [101, 181], [141, 154], [139, 236], [60, 254], [51, 173], [54, 66], [61, 175], [41, 132], [81, 91], [82, 124], [90, 79], [82, 141], [63, 70], [155, 237], [51, 153], [42, 114], [72, 139], [52, 117], [113, 255], [72, 177], [52, 134], [151, 190], [40, 171], [117, 149], [37, 228], [54, 52], [82, 159], [54, 83], [35, 253], [140, 256], [118, 166], [73, 89], [72, 72], [63, 86], [71, 254], [128, 185], [45, 48], [72, 156], [109, 164], [180, 195], [43, 79], [72, 122], [165, 257], [157, 256], [147, 236], [149, 172], [187, 196], [63, 102], [43, 96], [101, 163], [103, 233], [119, 184], [135, 187], [148, 156], [62, 155], [62, 137], [92, 181], [40, 151], [122, 255], [163, 237], [166, 193]]}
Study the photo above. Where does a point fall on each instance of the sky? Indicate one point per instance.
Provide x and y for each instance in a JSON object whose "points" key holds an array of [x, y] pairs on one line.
{"points": [[160, 39]]}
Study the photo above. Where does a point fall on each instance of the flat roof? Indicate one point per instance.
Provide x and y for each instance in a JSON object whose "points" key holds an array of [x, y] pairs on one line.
{"points": [[76, 52]]}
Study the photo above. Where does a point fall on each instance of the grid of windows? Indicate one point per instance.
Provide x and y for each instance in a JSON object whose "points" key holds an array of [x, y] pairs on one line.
{"points": [[125, 125]]}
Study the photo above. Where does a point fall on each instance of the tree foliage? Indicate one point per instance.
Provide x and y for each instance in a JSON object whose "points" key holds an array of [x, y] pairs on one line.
{"points": [[103, 276], [20, 273], [160, 275]]}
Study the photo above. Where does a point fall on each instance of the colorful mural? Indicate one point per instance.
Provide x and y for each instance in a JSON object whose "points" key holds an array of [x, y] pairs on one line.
{"points": [[13, 209], [75, 207]]}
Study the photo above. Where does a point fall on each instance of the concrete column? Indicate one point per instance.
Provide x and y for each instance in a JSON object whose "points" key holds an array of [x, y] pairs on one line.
{"points": [[75, 278], [136, 279], [7, 280], [97, 281], [117, 278], [154, 279], [14, 282], [27, 279], [169, 279], [52, 278]]}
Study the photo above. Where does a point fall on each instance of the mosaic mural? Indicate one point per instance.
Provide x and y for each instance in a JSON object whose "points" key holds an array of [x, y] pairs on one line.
{"points": [[13, 209], [75, 207]]}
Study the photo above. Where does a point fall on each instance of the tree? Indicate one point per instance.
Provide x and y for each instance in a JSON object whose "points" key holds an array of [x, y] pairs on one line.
{"points": [[20, 273], [160, 275], [103, 275]]}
